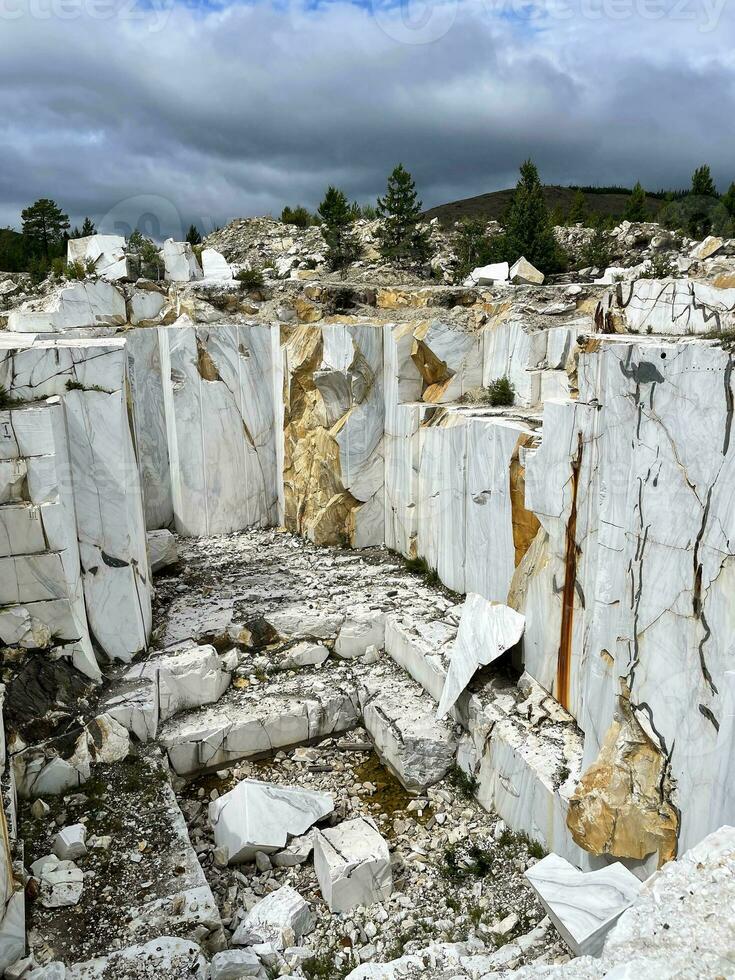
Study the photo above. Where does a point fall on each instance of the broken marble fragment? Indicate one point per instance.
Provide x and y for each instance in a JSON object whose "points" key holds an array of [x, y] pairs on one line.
{"points": [[486, 275], [523, 273], [106, 253], [306, 654], [486, 630], [185, 679], [61, 882], [583, 907], [180, 262], [70, 843], [280, 919], [352, 864], [257, 816], [362, 629], [233, 964], [162, 550]]}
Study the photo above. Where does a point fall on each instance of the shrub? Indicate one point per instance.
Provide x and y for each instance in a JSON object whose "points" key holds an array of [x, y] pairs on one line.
{"points": [[250, 278], [661, 267], [299, 216], [501, 391], [597, 251]]}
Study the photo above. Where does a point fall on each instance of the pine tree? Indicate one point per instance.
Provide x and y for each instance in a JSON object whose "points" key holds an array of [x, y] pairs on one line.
{"points": [[728, 200], [88, 228], [401, 238], [702, 183], [337, 220], [44, 227], [192, 236], [635, 209], [578, 211], [528, 228]]}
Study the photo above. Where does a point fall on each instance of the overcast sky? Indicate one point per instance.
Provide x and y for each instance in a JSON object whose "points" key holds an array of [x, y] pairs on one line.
{"points": [[163, 113]]}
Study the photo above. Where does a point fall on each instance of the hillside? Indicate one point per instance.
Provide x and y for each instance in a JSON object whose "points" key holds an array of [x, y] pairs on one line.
{"points": [[492, 206]]}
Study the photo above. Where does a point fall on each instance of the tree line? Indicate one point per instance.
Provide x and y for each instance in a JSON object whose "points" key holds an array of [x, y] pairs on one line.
{"points": [[527, 227]]}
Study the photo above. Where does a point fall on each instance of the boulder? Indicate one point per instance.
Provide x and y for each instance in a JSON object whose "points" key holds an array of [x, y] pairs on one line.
{"points": [[352, 864], [215, 265], [583, 907], [162, 550], [61, 882], [280, 919], [106, 252], [707, 248], [180, 262], [486, 630], [257, 816], [306, 655], [522, 273]]}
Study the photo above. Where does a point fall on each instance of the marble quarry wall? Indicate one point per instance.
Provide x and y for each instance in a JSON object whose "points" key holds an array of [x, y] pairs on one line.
{"points": [[598, 506]]}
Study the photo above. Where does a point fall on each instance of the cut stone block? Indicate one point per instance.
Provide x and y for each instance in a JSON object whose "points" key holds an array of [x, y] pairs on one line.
{"points": [[352, 864], [280, 919], [234, 964], [91, 303], [250, 724], [184, 680], [162, 550], [360, 631], [306, 655], [486, 275], [583, 907], [399, 717], [256, 816], [486, 631]]}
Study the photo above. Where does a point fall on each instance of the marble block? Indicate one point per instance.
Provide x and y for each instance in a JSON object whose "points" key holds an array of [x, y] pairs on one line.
{"points": [[146, 305], [671, 306], [215, 265], [91, 303], [486, 275], [70, 842], [352, 865], [184, 679], [257, 816], [523, 273], [399, 717], [107, 252], [486, 631], [360, 630], [180, 262], [583, 906], [280, 918]]}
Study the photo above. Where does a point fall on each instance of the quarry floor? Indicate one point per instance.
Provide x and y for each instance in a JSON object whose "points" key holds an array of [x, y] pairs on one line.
{"points": [[457, 870]]}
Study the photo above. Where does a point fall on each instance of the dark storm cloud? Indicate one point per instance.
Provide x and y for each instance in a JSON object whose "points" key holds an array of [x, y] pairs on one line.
{"points": [[202, 114]]}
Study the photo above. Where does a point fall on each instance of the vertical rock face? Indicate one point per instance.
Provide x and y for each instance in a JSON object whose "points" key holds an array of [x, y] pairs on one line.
{"points": [[630, 581], [218, 387], [333, 430], [621, 805], [102, 477]]}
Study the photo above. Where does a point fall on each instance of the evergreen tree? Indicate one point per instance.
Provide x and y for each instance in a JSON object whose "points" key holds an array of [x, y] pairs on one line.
{"points": [[578, 211], [473, 248], [728, 200], [401, 238], [635, 209], [528, 228], [702, 183], [44, 227], [88, 228], [338, 218], [192, 236]]}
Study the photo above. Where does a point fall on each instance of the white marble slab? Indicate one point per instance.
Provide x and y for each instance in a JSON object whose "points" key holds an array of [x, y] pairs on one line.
{"points": [[257, 816], [583, 907], [352, 865], [91, 303], [180, 262], [106, 252], [486, 631]]}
